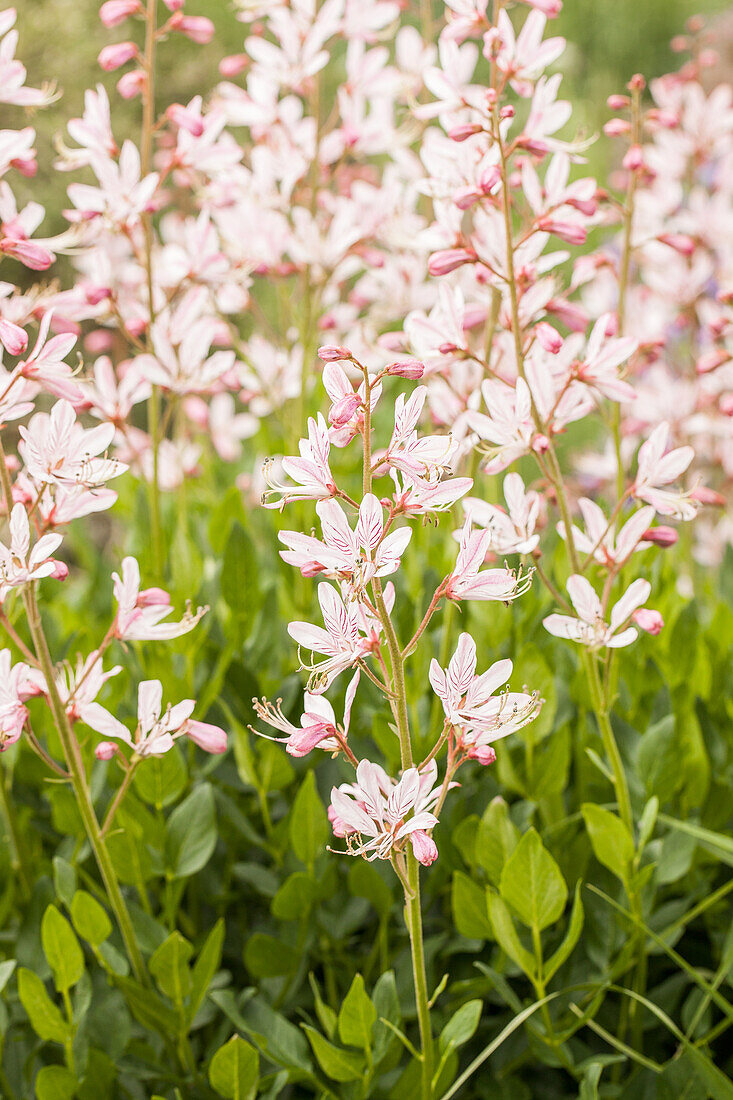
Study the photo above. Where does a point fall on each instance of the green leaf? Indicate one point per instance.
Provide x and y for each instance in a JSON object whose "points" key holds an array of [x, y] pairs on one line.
{"points": [[234, 1071], [90, 918], [610, 838], [326, 1015], [506, 934], [387, 1004], [468, 900], [658, 760], [462, 1025], [190, 835], [267, 957], [532, 883], [357, 1016], [338, 1064], [61, 948], [161, 779], [205, 967], [718, 844], [295, 897], [46, 1019], [496, 839], [309, 828], [239, 571], [589, 1084], [148, 1008], [169, 966], [55, 1083], [64, 880], [6, 970], [575, 927]]}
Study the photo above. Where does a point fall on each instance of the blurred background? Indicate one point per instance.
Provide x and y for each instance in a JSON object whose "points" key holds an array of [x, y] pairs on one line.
{"points": [[60, 39]]}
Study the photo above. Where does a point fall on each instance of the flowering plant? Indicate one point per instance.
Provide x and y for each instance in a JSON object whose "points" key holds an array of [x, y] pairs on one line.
{"points": [[426, 434]]}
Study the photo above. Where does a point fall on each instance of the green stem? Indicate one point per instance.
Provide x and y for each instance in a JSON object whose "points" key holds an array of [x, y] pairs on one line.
{"points": [[600, 707], [75, 766], [7, 811], [414, 925]]}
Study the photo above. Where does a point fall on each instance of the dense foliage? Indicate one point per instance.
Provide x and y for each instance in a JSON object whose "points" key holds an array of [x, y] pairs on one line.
{"points": [[355, 339]]}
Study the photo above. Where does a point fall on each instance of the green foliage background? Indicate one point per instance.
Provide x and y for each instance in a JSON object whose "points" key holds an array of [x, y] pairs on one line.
{"points": [[276, 963]]}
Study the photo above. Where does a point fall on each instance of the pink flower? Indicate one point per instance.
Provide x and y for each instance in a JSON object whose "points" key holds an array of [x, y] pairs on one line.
{"points": [[311, 474], [114, 12], [511, 532], [600, 538], [346, 414], [196, 27], [18, 563], [469, 581], [426, 458], [57, 450], [112, 57], [318, 726], [590, 628], [13, 338], [140, 613], [656, 469], [356, 556], [17, 683], [157, 730], [477, 716], [387, 812], [46, 365], [344, 641]]}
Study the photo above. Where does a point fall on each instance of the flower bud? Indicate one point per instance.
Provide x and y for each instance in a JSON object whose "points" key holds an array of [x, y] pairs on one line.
{"points": [[615, 127], [711, 360], [112, 57], [566, 231], [131, 84], [408, 368], [618, 102], [333, 353], [448, 259], [648, 619], [707, 496], [462, 133], [28, 252], [548, 337], [105, 750], [489, 178], [726, 404], [680, 242], [540, 444], [234, 64], [152, 597], [483, 753], [634, 158], [342, 410], [196, 27], [637, 83], [60, 570], [424, 847], [12, 337], [207, 737], [679, 44], [661, 536], [114, 12]]}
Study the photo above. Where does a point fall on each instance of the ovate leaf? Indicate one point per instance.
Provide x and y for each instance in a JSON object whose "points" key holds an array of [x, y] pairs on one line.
{"points": [[357, 1016], [235, 1070], [532, 883], [61, 948]]}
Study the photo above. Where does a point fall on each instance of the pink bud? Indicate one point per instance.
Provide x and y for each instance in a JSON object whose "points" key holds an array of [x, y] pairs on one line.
{"points": [[615, 127], [408, 368], [489, 178], [506, 112], [540, 443], [661, 536], [333, 353], [634, 158], [706, 59], [342, 410], [680, 242], [707, 496], [196, 27], [173, 5], [448, 259], [726, 404], [131, 84], [465, 197], [115, 12], [679, 44], [549, 338], [112, 57], [648, 619], [60, 570], [637, 83], [618, 102], [207, 737], [566, 231], [462, 133], [424, 847], [186, 119], [105, 750], [711, 360], [12, 337], [483, 753], [30, 254], [234, 64]]}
